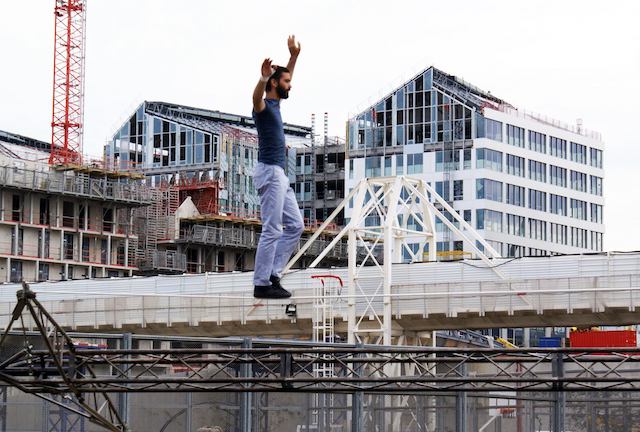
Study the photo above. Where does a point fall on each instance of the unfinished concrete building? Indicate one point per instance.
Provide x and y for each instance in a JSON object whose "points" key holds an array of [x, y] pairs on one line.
{"points": [[58, 224], [319, 182], [199, 164]]}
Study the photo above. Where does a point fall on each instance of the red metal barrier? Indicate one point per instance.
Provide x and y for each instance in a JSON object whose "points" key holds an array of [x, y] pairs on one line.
{"points": [[603, 339]]}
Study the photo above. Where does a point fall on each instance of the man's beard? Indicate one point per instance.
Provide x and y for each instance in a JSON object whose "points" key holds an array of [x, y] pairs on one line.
{"points": [[282, 93]]}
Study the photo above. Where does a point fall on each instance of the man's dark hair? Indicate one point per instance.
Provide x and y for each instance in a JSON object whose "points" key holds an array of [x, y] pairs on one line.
{"points": [[276, 76]]}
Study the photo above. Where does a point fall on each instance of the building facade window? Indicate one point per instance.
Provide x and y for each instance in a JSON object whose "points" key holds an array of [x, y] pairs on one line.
{"points": [[515, 251], [537, 171], [493, 129], [558, 176], [596, 213], [16, 208], [537, 142], [515, 225], [537, 200], [458, 190], [559, 233], [515, 195], [578, 181], [68, 247], [515, 136], [387, 166], [442, 189], [45, 213], [537, 252], [596, 158], [558, 204], [414, 163], [515, 165], [558, 147], [579, 237], [16, 271], [496, 245], [372, 166], [399, 164], [467, 216], [578, 153], [447, 160], [596, 241], [489, 189], [466, 164], [578, 209], [537, 229], [43, 272], [489, 220], [487, 158], [596, 185]]}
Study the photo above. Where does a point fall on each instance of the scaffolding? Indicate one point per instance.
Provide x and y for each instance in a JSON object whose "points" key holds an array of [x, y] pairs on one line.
{"points": [[76, 184]]}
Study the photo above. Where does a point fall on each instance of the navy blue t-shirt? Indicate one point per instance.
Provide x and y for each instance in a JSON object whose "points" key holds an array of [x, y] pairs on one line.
{"points": [[271, 144]]}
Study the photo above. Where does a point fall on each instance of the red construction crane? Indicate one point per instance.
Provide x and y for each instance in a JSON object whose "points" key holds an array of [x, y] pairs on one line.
{"points": [[68, 82]]}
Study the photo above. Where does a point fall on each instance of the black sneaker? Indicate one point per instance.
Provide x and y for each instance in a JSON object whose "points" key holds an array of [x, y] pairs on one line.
{"points": [[275, 281], [270, 292]]}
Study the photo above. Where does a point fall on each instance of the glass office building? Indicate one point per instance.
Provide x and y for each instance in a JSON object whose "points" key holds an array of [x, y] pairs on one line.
{"points": [[529, 184]]}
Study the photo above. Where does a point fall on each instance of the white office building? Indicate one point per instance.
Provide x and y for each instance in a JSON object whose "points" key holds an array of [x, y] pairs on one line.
{"points": [[529, 184]]}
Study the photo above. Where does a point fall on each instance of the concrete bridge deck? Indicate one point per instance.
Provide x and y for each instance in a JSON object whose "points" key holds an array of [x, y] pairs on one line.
{"points": [[570, 290]]}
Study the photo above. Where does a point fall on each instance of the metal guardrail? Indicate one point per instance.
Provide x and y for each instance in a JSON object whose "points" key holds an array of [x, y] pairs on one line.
{"points": [[248, 238], [214, 299], [163, 260], [72, 183]]}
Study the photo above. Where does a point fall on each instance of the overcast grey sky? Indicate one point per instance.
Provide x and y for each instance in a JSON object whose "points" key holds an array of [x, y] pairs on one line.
{"points": [[565, 59]]}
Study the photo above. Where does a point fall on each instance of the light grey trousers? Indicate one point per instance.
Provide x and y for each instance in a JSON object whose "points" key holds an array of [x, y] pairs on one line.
{"points": [[282, 223]]}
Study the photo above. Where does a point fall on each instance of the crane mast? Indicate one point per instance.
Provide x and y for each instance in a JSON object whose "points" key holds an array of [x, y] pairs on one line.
{"points": [[68, 82]]}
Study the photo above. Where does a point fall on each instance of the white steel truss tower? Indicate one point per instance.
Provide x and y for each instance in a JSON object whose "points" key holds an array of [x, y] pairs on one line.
{"points": [[393, 221]]}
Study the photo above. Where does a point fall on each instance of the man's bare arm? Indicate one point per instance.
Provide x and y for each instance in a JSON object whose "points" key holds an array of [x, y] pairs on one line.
{"points": [[294, 50], [258, 92]]}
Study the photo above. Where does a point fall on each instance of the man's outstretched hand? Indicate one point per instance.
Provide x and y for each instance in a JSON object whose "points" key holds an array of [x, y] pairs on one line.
{"points": [[294, 48], [267, 68]]}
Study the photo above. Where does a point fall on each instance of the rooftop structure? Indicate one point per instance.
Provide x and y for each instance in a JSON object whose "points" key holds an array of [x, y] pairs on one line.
{"points": [[63, 223], [205, 212], [529, 184]]}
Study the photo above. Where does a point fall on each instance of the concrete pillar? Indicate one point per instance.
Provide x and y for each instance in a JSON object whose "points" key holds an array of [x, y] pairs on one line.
{"points": [[61, 244], [16, 240], [81, 248], [58, 221], [108, 250], [41, 252], [31, 207], [2, 207], [126, 251], [85, 222]]}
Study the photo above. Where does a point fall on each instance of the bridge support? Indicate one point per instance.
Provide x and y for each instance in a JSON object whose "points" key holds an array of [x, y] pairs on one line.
{"points": [[392, 221]]}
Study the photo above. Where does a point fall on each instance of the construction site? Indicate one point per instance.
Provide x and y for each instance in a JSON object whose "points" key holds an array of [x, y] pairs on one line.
{"points": [[127, 298]]}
